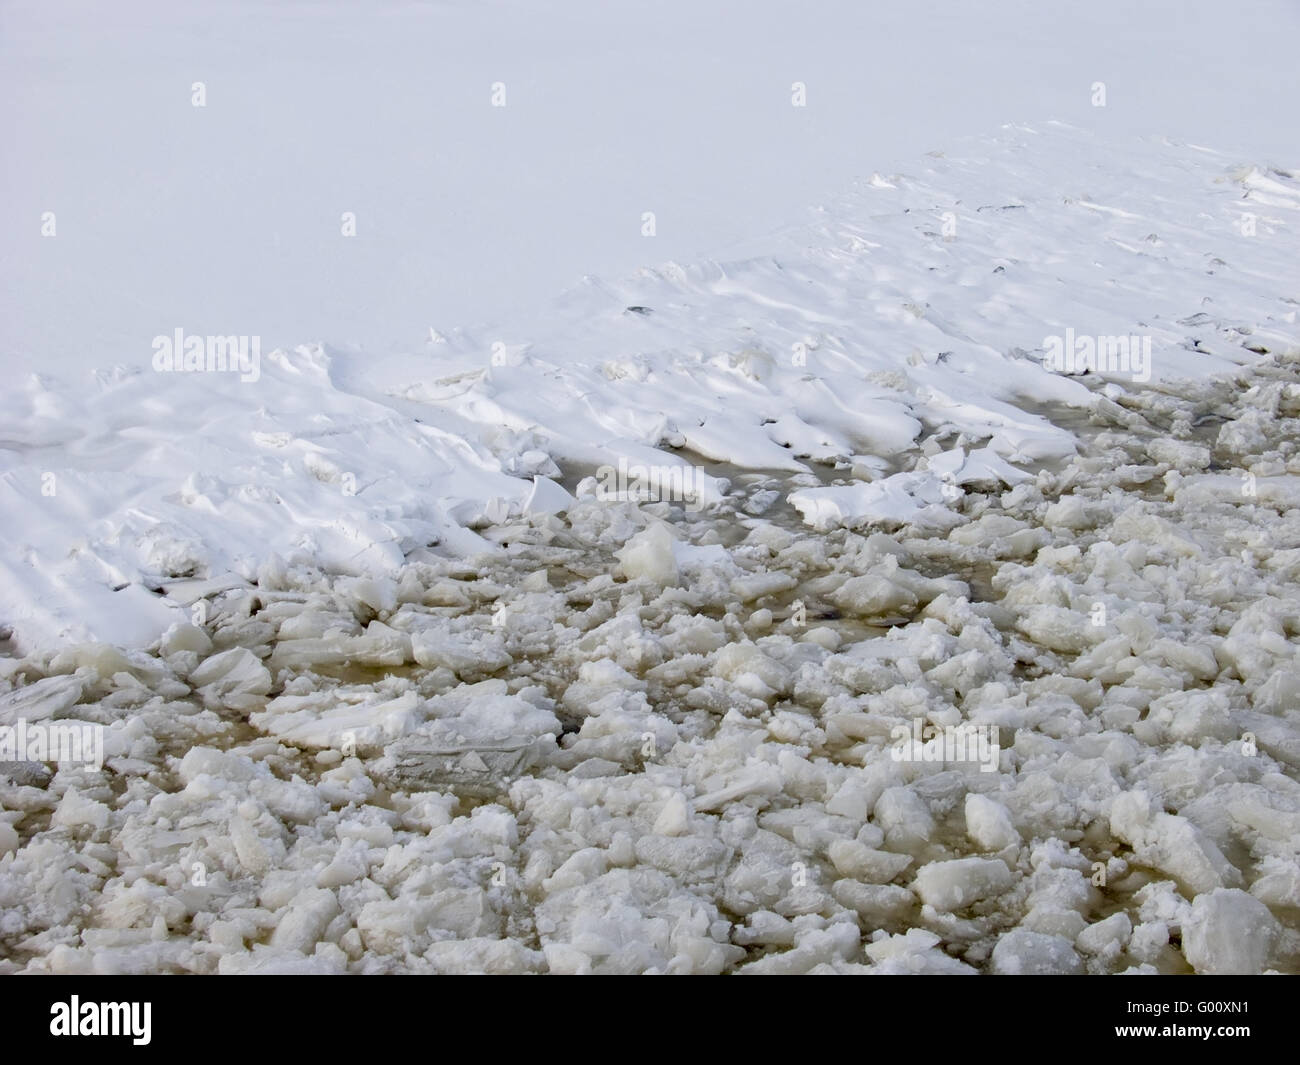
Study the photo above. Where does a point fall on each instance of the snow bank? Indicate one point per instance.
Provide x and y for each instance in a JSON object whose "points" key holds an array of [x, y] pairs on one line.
{"points": [[871, 339]]}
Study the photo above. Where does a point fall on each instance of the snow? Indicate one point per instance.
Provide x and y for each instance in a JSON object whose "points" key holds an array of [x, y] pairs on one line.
{"points": [[356, 460], [400, 667]]}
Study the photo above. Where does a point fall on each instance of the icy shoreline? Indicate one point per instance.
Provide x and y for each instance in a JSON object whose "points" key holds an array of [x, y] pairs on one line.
{"points": [[386, 670], [920, 306], [613, 748]]}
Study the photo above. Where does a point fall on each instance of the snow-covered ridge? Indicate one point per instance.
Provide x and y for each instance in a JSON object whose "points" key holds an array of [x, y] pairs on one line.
{"points": [[915, 307]]}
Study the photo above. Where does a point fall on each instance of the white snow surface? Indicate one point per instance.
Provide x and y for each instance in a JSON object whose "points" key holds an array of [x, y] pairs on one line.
{"points": [[224, 220], [842, 340]]}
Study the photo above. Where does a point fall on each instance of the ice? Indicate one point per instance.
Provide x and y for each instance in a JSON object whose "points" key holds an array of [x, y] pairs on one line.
{"points": [[309, 914], [650, 555], [915, 953], [905, 817], [1170, 843], [44, 699], [854, 859], [1024, 953], [468, 655], [989, 824], [76, 810], [1229, 933], [1105, 939], [872, 597], [876, 904], [379, 645], [231, 678], [954, 885]]}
